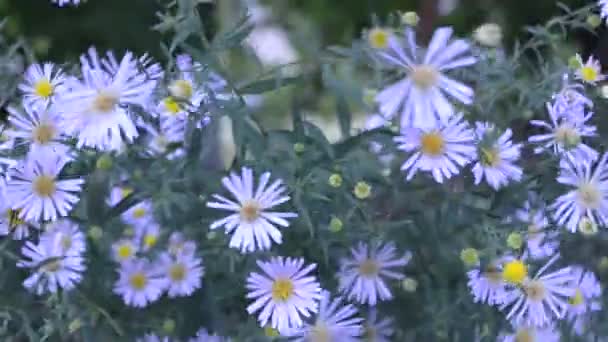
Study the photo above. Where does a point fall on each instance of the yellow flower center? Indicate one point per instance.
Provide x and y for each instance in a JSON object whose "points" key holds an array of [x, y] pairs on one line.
{"points": [[13, 218], [171, 105], [124, 252], [320, 333], [44, 186], [177, 272], [43, 88], [43, 133], [535, 290], [51, 266], [150, 240], [105, 101], [524, 335], [577, 299], [138, 281], [181, 89], [567, 136], [66, 242], [424, 76], [377, 38], [588, 73], [369, 268], [139, 212], [250, 211], [124, 192], [589, 195], [282, 290], [490, 157], [515, 272], [271, 332], [432, 144]]}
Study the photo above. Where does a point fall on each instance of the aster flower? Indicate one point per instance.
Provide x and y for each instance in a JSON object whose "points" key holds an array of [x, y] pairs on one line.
{"points": [[117, 194], [541, 240], [42, 84], [587, 197], [204, 336], [139, 283], [334, 322], [145, 64], [96, 108], [147, 235], [36, 191], [571, 100], [71, 239], [566, 133], [487, 286], [158, 141], [62, 3], [376, 329], [139, 214], [40, 128], [178, 245], [539, 300], [378, 37], [363, 276], [439, 150], [496, 156], [124, 250], [52, 265], [183, 274], [284, 292], [252, 225], [586, 299], [530, 333], [590, 71], [420, 96]]}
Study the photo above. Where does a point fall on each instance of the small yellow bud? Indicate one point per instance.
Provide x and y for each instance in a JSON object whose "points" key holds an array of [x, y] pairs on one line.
{"points": [[587, 227], [362, 190], [469, 256], [574, 63], [594, 20], [410, 18], [299, 148], [515, 240], [169, 326], [335, 225], [409, 284], [335, 180]]}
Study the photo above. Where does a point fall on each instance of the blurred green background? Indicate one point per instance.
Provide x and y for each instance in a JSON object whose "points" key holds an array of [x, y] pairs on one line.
{"points": [[60, 34]]}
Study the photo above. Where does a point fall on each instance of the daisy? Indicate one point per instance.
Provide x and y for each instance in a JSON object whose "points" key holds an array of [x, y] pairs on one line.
{"points": [[183, 274], [42, 85], [565, 136], [378, 37], [420, 96], [334, 322], [61, 3], [284, 292], [377, 330], [71, 239], [35, 189], [487, 286], [53, 266], [537, 301], [589, 72], [139, 283], [204, 336], [145, 64], [586, 299], [571, 101], [587, 197], [139, 215], [96, 108], [117, 194], [541, 240], [158, 142], [147, 235], [178, 245], [124, 250], [439, 150], [40, 128], [362, 277], [530, 333], [252, 225], [496, 157]]}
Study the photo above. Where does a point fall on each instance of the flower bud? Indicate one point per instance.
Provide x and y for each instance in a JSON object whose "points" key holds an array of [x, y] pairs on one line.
{"points": [[469, 256], [335, 225], [515, 240], [335, 180], [409, 284], [362, 190], [104, 162], [488, 34], [299, 148], [410, 18]]}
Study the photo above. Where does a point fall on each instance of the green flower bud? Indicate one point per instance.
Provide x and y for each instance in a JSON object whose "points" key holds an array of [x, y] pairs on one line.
{"points": [[409, 284], [362, 190], [211, 235], [574, 63], [74, 326], [168, 326], [594, 20], [515, 240], [299, 148], [410, 18], [95, 233], [335, 180], [335, 225], [587, 227], [469, 256], [603, 264]]}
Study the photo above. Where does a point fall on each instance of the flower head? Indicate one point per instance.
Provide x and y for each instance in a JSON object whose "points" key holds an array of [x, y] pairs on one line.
{"points": [[586, 299], [285, 292], [252, 224], [487, 285], [183, 274], [541, 239], [139, 283], [39, 127], [590, 71], [42, 85], [420, 97], [363, 276], [496, 155]]}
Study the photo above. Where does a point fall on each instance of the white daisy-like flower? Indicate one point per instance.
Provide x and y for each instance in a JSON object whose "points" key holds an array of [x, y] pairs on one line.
{"points": [[147, 235], [440, 150], [118, 193], [53, 267], [124, 250], [334, 322], [41, 129], [588, 194], [376, 329], [36, 191], [540, 300], [139, 215], [139, 283], [71, 239], [363, 276], [487, 286], [587, 298], [158, 142], [96, 109], [420, 97], [565, 136], [11, 224], [590, 71], [528, 333], [252, 225], [205, 336], [571, 100], [496, 156], [62, 3], [183, 274], [284, 293], [110, 63], [178, 245], [541, 239], [42, 85]]}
